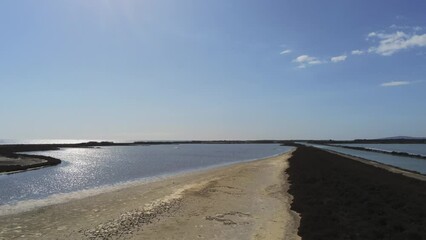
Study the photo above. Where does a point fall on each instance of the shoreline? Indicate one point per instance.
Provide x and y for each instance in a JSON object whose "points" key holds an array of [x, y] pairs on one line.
{"points": [[23, 206], [394, 153], [235, 200], [14, 160], [390, 168]]}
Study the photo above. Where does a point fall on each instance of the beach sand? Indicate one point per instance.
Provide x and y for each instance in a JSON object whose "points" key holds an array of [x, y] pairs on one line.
{"points": [[240, 201]]}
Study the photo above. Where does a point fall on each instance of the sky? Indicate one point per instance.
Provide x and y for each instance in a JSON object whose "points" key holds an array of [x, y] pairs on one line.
{"points": [[223, 69]]}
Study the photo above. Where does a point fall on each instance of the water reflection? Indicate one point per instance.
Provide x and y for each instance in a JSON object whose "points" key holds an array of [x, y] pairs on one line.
{"points": [[88, 168]]}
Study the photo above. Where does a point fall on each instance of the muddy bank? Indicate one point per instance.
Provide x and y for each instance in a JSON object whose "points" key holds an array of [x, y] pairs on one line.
{"points": [[339, 198], [20, 162]]}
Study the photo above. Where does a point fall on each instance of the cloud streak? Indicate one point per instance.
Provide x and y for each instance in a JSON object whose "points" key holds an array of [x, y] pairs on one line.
{"points": [[405, 27], [287, 51], [357, 52], [395, 83], [306, 60], [340, 58]]}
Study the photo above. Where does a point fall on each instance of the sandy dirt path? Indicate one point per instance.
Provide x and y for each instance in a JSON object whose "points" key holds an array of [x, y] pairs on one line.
{"points": [[241, 201]]}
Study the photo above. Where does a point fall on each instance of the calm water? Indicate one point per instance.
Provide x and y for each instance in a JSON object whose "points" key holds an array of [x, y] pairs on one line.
{"points": [[86, 169], [412, 164], [419, 149]]}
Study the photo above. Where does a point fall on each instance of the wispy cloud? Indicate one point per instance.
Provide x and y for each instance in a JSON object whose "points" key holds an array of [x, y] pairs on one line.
{"points": [[287, 51], [386, 42], [395, 83], [405, 27], [305, 60], [357, 52], [372, 35], [340, 58], [395, 42]]}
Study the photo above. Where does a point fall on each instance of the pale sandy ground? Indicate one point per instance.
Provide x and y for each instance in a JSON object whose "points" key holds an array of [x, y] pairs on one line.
{"points": [[240, 201]]}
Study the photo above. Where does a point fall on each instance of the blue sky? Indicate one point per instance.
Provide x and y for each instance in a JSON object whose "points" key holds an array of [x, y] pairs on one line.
{"points": [[222, 69]]}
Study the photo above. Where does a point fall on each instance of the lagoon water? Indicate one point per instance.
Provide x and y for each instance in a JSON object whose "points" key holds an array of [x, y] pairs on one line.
{"points": [[408, 163], [87, 170], [418, 149]]}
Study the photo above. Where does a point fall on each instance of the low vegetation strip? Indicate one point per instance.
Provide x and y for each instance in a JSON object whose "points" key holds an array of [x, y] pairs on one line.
{"points": [[339, 198]]}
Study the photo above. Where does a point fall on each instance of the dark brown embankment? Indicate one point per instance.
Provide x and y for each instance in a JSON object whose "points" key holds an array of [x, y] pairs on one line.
{"points": [[339, 198]]}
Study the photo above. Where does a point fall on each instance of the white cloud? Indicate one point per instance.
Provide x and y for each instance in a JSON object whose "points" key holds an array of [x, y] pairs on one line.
{"points": [[395, 83], [394, 42], [340, 58], [287, 51], [304, 60], [384, 43], [316, 61], [357, 52], [372, 34]]}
